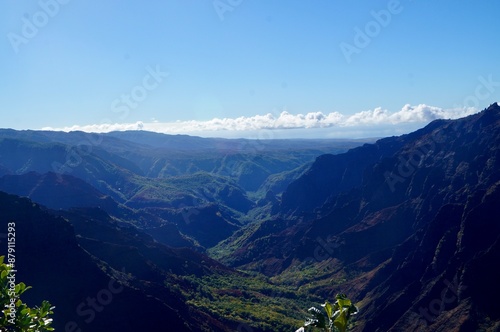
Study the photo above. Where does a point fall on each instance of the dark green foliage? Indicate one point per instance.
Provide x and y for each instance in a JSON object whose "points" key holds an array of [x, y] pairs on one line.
{"points": [[17, 316], [249, 299], [336, 317]]}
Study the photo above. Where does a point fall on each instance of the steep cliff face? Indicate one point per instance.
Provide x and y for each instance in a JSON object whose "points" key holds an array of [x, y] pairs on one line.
{"points": [[442, 277], [409, 226], [331, 175]]}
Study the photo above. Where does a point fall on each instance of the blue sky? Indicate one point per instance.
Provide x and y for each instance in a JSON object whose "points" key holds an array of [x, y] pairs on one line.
{"points": [[231, 67]]}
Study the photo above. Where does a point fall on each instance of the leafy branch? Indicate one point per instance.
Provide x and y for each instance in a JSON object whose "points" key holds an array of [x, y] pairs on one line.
{"points": [[336, 317], [16, 316]]}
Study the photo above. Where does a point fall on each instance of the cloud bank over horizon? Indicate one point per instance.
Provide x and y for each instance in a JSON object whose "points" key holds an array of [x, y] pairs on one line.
{"points": [[370, 122]]}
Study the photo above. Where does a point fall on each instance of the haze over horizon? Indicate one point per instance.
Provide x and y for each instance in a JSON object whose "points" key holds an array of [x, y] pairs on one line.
{"points": [[243, 69]]}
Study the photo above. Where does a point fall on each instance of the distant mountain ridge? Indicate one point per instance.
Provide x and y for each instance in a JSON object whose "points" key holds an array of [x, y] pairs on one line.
{"points": [[146, 177], [172, 142], [99, 157]]}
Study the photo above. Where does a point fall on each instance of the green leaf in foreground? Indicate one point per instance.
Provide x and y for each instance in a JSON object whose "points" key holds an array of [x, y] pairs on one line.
{"points": [[16, 316], [337, 316]]}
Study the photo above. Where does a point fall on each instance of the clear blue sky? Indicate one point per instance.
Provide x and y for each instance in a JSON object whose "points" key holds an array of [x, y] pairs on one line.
{"points": [[234, 58]]}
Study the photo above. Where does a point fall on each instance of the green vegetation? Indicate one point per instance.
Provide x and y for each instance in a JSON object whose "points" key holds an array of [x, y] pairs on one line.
{"points": [[184, 190], [336, 317], [244, 299], [251, 298], [17, 316]]}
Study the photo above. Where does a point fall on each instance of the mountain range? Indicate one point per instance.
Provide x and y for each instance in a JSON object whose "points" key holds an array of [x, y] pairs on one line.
{"points": [[199, 234]]}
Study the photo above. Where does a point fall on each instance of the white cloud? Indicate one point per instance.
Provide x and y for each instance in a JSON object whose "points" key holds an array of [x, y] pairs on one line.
{"points": [[367, 121]]}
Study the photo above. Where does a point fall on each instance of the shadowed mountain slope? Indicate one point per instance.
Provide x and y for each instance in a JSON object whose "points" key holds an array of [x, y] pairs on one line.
{"points": [[49, 258], [399, 225]]}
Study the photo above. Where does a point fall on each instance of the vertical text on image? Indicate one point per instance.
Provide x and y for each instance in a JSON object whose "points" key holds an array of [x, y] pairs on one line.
{"points": [[11, 262]]}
